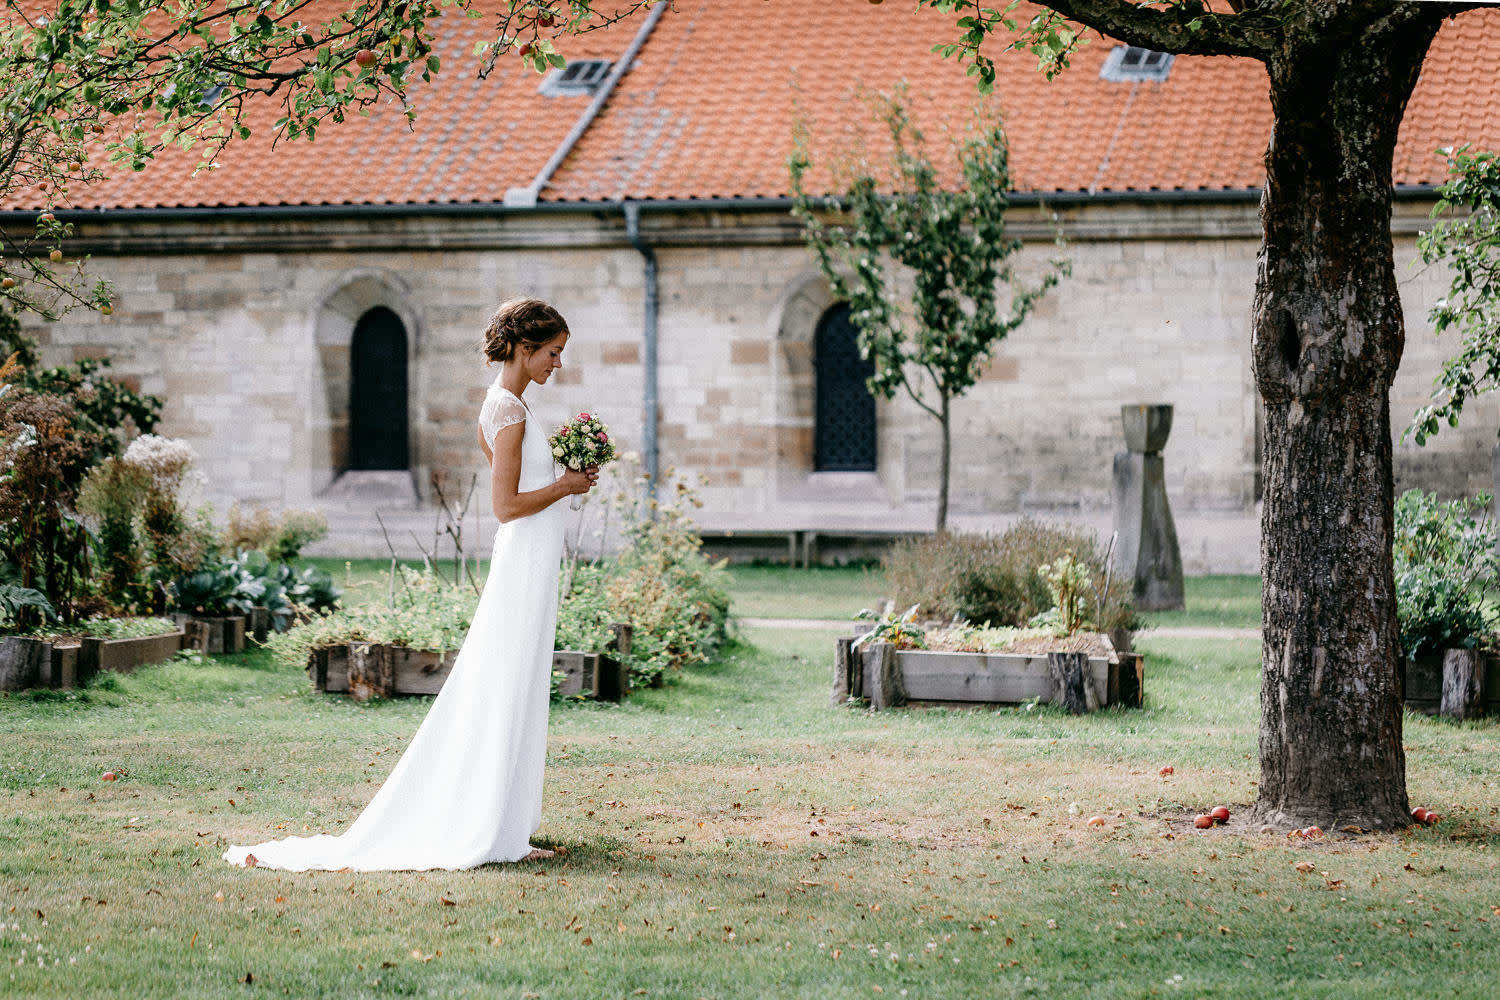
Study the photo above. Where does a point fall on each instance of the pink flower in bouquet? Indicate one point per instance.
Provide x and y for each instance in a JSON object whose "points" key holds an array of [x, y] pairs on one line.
{"points": [[583, 416], [602, 436]]}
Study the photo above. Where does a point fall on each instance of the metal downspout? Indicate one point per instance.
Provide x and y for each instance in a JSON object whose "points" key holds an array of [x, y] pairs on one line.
{"points": [[648, 336]]}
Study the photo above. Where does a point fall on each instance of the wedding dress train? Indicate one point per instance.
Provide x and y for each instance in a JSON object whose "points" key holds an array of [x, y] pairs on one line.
{"points": [[468, 788]]}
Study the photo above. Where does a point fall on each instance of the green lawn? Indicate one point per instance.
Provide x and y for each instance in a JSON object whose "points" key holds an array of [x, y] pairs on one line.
{"points": [[839, 592], [731, 835], [1214, 601]]}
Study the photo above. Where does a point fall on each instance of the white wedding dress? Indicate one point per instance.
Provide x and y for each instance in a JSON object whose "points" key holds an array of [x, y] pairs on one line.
{"points": [[468, 788]]}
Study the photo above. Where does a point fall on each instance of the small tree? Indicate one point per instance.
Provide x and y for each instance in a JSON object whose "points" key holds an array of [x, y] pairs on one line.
{"points": [[953, 244], [1469, 243]]}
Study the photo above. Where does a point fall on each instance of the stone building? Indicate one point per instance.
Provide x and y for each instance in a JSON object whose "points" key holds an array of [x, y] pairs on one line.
{"points": [[312, 312]]}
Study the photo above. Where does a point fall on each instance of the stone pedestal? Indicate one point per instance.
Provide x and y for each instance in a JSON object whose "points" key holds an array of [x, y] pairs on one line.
{"points": [[1146, 551]]}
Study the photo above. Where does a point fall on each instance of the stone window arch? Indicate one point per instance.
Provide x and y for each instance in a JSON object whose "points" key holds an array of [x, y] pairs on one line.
{"points": [[381, 301]]}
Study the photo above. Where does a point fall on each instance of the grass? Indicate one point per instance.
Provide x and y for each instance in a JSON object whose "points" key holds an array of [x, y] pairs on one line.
{"points": [[839, 592], [1214, 602], [731, 835]]}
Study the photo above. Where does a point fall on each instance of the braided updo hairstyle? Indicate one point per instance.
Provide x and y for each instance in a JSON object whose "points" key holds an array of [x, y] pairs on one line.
{"points": [[528, 323]]}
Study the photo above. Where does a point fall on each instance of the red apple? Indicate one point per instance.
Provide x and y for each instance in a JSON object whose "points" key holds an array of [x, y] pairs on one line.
{"points": [[1419, 814], [526, 50], [365, 57], [7, 283], [1203, 821], [108, 776], [1433, 819], [55, 256], [1220, 814]]}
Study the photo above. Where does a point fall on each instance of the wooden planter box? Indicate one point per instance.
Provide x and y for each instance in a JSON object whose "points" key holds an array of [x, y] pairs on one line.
{"points": [[258, 625], [212, 635], [886, 677], [1459, 683], [24, 662], [27, 662], [125, 655], [378, 670]]}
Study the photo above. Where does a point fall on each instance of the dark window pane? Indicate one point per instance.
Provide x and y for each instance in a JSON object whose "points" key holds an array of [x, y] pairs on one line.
{"points": [[843, 408], [377, 392]]}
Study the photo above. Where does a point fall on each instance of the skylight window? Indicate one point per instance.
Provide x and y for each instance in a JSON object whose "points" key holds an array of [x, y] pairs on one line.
{"points": [[582, 76], [1131, 62]]}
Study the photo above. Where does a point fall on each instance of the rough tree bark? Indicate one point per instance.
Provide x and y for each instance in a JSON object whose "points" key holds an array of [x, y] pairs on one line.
{"points": [[1328, 336]]}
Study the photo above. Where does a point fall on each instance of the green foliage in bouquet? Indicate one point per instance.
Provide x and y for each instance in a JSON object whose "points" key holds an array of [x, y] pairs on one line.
{"points": [[582, 442], [1445, 559]]}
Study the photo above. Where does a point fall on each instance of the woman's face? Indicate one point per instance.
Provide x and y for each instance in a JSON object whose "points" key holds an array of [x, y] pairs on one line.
{"points": [[541, 363]]}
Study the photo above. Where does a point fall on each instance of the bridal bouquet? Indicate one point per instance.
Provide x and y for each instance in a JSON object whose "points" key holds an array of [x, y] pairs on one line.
{"points": [[582, 442]]}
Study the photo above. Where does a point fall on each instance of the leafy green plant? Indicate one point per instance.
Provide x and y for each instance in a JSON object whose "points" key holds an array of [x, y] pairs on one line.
{"points": [[1069, 580], [1444, 555], [1468, 243], [111, 498], [15, 599], [426, 613], [900, 630]]}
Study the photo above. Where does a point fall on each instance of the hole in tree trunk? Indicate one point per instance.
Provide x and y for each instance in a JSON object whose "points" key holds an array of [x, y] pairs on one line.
{"points": [[1288, 341]]}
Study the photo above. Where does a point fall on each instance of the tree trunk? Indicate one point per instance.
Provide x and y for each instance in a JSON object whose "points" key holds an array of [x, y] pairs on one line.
{"points": [[1328, 336], [945, 419]]}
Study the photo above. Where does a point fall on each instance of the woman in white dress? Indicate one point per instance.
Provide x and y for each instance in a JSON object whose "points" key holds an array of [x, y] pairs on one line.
{"points": [[468, 788]]}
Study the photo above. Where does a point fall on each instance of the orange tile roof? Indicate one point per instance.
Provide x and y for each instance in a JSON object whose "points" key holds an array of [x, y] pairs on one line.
{"points": [[706, 111]]}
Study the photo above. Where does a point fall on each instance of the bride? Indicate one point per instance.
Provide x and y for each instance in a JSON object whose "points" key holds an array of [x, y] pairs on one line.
{"points": [[468, 788]]}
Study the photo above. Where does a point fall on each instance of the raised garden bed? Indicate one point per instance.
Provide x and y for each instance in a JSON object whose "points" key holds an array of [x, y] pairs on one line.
{"points": [[1079, 679], [367, 670], [212, 635], [1458, 683], [27, 662]]}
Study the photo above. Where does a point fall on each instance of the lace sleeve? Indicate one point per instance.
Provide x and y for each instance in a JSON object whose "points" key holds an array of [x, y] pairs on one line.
{"points": [[500, 409]]}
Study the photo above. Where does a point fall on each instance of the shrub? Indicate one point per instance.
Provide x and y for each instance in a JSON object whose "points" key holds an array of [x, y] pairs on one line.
{"points": [[428, 613], [281, 538], [1444, 557], [177, 542], [41, 468], [997, 580], [111, 497]]}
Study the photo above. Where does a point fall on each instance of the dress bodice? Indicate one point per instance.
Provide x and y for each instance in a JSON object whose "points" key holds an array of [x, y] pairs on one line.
{"points": [[501, 408]]}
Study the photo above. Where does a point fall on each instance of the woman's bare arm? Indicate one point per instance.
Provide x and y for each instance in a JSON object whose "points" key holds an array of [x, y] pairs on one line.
{"points": [[505, 477]]}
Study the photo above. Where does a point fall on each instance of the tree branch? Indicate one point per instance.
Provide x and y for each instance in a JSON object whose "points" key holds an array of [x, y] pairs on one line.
{"points": [[1186, 28]]}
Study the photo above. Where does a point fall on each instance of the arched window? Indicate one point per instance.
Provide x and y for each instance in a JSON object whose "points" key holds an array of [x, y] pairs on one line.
{"points": [[843, 409], [377, 392]]}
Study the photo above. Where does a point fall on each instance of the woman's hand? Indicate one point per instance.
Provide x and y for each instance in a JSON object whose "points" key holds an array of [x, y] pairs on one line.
{"points": [[577, 481]]}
